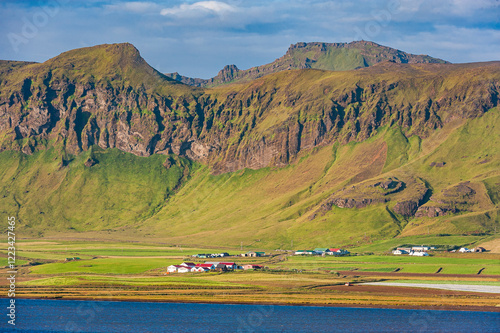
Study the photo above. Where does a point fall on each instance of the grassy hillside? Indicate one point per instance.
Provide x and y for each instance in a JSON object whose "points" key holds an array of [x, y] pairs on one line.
{"points": [[131, 198], [47, 194]]}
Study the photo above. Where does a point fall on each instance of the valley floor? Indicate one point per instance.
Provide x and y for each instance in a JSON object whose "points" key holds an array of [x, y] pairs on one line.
{"points": [[136, 272]]}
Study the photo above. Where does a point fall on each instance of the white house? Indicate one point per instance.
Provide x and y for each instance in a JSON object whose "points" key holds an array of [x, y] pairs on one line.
{"points": [[200, 269], [173, 268], [184, 269], [399, 252], [464, 250], [302, 252], [420, 254]]}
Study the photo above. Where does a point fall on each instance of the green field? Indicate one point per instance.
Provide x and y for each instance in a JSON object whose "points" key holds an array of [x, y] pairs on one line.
{"points": [[104, 266], [405, 264]]}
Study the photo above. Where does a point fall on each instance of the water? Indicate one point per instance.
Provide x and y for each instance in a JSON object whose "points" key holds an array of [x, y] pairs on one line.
{"points": [[95, 316]]}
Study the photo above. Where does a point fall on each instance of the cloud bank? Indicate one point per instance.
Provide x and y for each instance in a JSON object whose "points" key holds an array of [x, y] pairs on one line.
{"points": [[197, 38]]}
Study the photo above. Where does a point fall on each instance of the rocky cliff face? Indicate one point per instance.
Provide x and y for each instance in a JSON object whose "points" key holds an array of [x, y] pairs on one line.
{"points": [[264, 123]]}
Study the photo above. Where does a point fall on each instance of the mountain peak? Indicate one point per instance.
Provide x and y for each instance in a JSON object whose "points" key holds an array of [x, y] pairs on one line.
{"points": [[113, 55]]}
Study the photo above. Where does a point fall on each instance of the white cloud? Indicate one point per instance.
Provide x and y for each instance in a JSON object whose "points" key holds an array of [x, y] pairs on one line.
{"points": [[465, 7], [201, 8]]}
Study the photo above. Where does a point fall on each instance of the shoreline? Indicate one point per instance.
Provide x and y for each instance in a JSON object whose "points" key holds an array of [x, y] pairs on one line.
{"points": [[337, 305]]}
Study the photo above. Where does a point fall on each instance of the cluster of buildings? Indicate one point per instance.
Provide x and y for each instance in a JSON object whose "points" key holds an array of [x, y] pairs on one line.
{"points": [[321, 251], [225, 254], [210, 255], [421, 251], [417, 251], [208, 266]]}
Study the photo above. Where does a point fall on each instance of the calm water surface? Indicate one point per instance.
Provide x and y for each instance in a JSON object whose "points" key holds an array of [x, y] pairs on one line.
{"points": [[94, 316]]}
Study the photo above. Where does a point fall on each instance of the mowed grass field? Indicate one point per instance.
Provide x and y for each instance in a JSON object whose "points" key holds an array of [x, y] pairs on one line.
{"points": [[458, 264], [59, 250]]}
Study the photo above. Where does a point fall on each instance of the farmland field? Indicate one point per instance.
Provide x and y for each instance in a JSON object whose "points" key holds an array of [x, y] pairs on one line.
{"points": [[136, 271]]}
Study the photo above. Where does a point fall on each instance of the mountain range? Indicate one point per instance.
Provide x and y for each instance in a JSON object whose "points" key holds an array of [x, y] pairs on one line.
{"points": [[326, 56], [343, 144]]}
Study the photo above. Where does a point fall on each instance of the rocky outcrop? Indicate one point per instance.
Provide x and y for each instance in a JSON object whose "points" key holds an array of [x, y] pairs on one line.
{"points": [[452, 200], [409, 196], [428, 211], [90, 162], [352, 203], [406, 208]]}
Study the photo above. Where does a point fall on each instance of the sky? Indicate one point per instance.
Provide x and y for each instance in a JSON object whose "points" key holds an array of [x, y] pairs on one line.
{"points": [[198, 38]]}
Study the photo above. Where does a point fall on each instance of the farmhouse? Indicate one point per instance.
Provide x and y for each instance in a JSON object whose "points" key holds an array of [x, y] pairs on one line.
{"points": [[184, 269], [397, 252], [174, 268], [463, 250]]}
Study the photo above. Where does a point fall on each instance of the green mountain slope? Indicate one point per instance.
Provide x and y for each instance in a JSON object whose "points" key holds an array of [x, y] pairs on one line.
{"points": [[326, 56], [310, 156]]}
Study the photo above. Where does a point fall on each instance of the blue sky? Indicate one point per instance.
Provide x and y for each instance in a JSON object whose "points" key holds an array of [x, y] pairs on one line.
{"points": [[198, 38]]}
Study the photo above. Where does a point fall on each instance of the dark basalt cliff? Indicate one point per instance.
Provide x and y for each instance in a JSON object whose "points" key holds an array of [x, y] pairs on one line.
{"points": [[264, 123]]}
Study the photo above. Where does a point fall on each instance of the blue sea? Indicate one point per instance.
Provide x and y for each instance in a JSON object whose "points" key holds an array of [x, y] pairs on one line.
{"points": [[100, 316]]}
